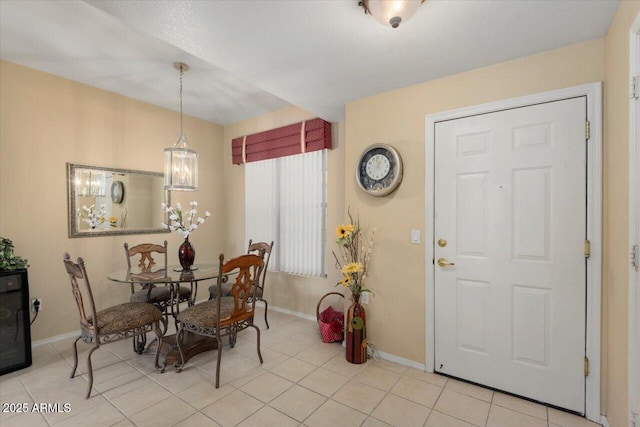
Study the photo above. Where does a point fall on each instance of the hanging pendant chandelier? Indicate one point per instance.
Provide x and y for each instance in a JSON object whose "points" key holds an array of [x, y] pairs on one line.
{"points": [[180, 161]]}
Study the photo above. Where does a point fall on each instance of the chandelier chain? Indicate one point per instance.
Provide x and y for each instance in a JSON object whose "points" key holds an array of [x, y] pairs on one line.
{"points": [[181, 72]]}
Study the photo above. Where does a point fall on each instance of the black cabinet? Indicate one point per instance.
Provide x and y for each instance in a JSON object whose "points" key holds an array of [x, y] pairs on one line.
{"points": [[15, 333]]}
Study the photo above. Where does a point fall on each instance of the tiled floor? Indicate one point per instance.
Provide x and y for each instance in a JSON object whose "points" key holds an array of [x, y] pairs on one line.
{"points": [[302, 382]]}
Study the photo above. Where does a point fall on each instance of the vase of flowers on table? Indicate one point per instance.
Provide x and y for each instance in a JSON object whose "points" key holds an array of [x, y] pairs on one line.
{"points": [[184, 223], [355, 249]]}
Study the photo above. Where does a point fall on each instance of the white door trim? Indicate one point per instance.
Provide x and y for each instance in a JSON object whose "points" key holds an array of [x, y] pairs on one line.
{"points": [[634, 233], [593, 92]]}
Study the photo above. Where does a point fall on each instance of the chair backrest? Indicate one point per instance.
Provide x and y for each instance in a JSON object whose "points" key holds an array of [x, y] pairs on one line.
{"points": [[248, 268], [146, 252], [78, 273], [262, 249]]}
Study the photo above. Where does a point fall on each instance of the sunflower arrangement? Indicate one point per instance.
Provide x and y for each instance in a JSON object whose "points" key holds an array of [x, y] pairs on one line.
{"points": [[355, 249]]}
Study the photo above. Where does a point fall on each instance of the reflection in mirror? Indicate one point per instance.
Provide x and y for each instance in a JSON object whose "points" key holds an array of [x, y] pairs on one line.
{"points": [[107, 201]]}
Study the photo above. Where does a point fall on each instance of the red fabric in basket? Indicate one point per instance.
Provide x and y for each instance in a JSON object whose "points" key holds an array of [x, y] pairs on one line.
{"points": [[331, 324]]}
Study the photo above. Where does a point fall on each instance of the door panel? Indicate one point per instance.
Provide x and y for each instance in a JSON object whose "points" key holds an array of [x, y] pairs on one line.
{"points": [[510, 199]]}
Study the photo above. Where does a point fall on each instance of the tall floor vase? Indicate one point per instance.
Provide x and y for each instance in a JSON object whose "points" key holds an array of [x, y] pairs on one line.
{"points": [[356, 332]]}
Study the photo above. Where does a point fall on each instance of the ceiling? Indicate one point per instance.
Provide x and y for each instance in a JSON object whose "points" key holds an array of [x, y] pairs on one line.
{"points": [[249, 57]]}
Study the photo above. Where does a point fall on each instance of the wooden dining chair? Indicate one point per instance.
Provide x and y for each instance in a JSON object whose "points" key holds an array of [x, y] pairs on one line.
{"points": [[262, 249], [130, 319], [224, 316], [164, 297]]}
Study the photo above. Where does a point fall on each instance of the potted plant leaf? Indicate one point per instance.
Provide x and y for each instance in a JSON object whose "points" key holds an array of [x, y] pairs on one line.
{"points": [[9, 261]]}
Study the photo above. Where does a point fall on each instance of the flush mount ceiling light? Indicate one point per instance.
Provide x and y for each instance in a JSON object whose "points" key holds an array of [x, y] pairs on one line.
{"points": [[391, 12], [180, 161]]}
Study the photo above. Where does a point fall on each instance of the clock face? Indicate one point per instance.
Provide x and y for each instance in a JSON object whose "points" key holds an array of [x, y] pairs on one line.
{"points": [[378, 166], [379, 170]]}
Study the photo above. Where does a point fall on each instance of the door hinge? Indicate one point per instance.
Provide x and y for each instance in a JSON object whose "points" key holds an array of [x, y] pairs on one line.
{"points": [[586, 366], [635, 256], [635, 87], [587, 130], [587, 248]]}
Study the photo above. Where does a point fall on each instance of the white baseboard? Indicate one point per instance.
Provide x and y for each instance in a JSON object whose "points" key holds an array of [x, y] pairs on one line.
{"points": [[385, 356], [401, 360], [604, 421], [53, 339], [293, 313]]}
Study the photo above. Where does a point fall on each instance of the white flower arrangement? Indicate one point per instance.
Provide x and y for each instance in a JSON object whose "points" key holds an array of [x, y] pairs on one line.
{"points": [[91, 216], [179, 223]]}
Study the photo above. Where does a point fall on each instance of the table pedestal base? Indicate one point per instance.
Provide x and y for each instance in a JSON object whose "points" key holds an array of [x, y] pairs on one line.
{"points": [[192, 344]]}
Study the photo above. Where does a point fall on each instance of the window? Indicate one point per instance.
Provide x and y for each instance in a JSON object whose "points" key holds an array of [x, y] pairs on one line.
{"points": [[285, 201]]}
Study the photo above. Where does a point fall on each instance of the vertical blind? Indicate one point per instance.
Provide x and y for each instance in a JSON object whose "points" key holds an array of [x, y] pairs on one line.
{"points": [[285, 201], [261, 205]]}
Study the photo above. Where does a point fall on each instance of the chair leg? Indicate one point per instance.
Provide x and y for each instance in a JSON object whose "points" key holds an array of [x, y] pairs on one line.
{"points": [[192, 296], [175, 318], [179, 336], [75, 357], [165, 317], [159, 335], [90, 370], [266, 307], [165, 324], [139, 342], [219, 362], [258, 344]]}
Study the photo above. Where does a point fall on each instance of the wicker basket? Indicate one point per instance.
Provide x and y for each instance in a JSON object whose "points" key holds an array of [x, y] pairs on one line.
{"points": [[330, 321]]}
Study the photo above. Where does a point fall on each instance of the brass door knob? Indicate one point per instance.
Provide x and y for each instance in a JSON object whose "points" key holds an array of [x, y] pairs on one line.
{"points": [[444, 263]]}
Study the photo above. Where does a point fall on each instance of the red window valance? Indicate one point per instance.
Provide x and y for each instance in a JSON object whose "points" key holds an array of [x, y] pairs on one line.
{"points": [[303, 137]]}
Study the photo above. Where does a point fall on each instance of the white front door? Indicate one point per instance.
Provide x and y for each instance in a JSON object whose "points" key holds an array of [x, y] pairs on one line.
{"points": [[510, 217]]}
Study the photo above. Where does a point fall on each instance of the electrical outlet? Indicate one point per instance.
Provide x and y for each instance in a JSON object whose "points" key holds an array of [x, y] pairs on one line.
{"points": [[364, 298], [36, 305]]}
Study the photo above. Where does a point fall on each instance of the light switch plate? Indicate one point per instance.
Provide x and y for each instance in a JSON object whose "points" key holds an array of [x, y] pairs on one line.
{"points": [[364, 298], [415, 236]]}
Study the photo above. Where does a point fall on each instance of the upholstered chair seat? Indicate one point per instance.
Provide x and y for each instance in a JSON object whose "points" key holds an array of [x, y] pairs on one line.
{"points": [[123, 317], [226, 290], [159, 294], [205, 314]]}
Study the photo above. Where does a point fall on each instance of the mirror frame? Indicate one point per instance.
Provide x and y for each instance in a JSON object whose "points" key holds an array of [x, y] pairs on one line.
{"points": [[73, 208]]}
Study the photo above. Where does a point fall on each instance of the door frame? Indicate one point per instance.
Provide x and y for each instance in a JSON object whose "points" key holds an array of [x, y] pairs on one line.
{"points": [[593, 92], [634, 231]]}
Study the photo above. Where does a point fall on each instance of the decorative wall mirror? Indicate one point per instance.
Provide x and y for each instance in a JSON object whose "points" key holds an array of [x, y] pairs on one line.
{"points": [[108, 201]]}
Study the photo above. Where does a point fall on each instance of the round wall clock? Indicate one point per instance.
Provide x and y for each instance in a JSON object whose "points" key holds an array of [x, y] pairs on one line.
{"points": [[117, 192], [379, 170]]}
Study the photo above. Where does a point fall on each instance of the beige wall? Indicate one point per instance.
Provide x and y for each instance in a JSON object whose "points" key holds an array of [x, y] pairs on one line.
{"points": [[47, 121], [616, 218], [398, 118], [298, 294]]}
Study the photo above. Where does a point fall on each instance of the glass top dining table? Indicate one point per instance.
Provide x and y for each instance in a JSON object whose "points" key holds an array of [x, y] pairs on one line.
{"points": [[173, 274]]}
